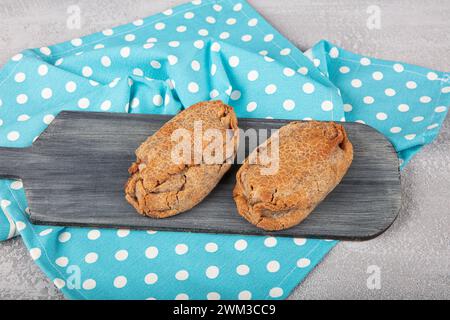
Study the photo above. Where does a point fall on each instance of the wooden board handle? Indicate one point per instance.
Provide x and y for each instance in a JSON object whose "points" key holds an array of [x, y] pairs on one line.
{"points": [[12, 162]]}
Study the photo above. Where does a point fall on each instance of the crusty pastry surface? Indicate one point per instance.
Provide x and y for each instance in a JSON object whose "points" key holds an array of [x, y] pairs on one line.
{"points": [[314, 157], [158, 186]]}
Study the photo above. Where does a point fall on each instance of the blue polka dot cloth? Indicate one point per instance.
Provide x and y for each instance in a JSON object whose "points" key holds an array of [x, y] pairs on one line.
{"points": [[198, 51]]}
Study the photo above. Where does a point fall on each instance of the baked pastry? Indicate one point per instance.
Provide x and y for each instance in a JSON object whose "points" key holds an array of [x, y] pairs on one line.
{"points": [[166, 181], [313, 158]]}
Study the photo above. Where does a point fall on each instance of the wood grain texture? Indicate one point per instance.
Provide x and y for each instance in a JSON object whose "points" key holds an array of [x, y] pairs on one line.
{"points": [[74, 174]]}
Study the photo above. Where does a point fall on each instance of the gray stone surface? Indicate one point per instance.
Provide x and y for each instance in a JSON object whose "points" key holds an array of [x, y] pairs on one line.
{"points": [[414, 255]]}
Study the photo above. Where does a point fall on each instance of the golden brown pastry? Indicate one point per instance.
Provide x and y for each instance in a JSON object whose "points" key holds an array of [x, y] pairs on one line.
{"points": [[313, 158], [162, 185]]}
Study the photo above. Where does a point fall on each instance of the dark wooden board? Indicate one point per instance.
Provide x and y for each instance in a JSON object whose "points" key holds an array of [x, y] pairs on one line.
{"points": [[75, 172]]}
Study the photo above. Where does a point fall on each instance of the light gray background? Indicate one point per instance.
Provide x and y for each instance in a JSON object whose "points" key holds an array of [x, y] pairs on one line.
{"points": [[414, 255]]}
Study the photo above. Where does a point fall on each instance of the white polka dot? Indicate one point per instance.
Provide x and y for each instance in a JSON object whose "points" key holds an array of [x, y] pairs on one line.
{"points": [[418, 119], [71, 86], [130, 37], [87, 72], [195, 65], [395, 129], [356, 83], [276, 292], [270, 242], [398, 67], [365, 61], [246, 38], [20, 77], [203, 32], [45, 51], [308, 88], [245, 295], [105, 61], [151, 252], [108, 32], [181, 249], [135, 103], [45, 232], [251, 106], [445, 89], [84, 103], [167, 12], [425, 99], [231, 21], [217, 7], [48, 119], [252, 22], [268, 37], [138, 22], [214, 94], [160, 26], [432, 76], [253, 75], [155, 64], [224, 35], [390, 92], [213, 69], [316, 62], [403, 107], [303, 71], [13, 136], [125, 52], [16, 185], [35, 253], [285, 51], [151, 278], [181, 29], [233, 61], [172, 59], [20, 225], [211, 247], [440, 109], [76, 42], [174, 44], [93, 234], [182, 296], [213, 296], [212, 272], [237, 7], [193, 87], [22, 98], [120, 282], [344, 69], [300, 241], [303, 262], [327, 105], [91, 257], [210, 20], [377, 75], [17, 57], [46, 93], [64, 237], [189, 15], [122, 233], [228, 91], [271, 89], [62, 262], [368, 100], [106, 105], [348, 107], [288, 72], [59, 283], [240, 245], [273, 266], [89, 284], [215, 47], [410, 136], [158, 100], [121, 255], [182, 275], [334, 53], [382, 116], [242, 270], [289, 104], [432, 126], [235, 95], [411, 85]]}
